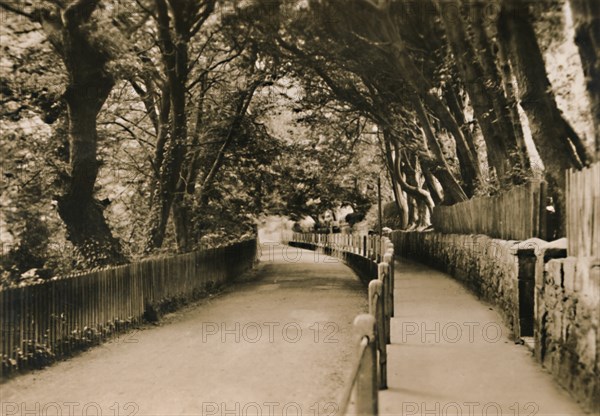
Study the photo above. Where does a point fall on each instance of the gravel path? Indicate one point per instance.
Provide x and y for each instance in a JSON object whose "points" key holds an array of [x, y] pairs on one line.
{"points": [[278, 342]]}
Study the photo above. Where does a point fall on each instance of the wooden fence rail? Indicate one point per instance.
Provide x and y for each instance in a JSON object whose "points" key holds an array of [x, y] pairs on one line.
{"points": [[369, 372], [517, 214], [583, 212], [43, 321], [368, 246]]}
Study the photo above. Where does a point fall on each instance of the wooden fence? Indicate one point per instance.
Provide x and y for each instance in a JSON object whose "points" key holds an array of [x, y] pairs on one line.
{"points": [[43, 321], [369, 371], [583, 212], [517, 214], [367, 246]]}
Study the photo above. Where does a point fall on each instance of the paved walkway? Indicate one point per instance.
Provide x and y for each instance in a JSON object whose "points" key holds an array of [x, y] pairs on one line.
{"points": [[280, 342], [451, 355]]}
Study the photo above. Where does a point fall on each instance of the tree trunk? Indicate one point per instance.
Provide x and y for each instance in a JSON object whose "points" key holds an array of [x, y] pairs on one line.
{"points": [[170, 170], [586, 17], [182, 219], [456, 107], [88, 88], [470, 171], [186, 184], [509, 90], [500, 142], [453, 192], [410, 184], [400, 199], [421, 203], [502, 98], [175, 57], [535, 94], [432, 185], [82, 213]]}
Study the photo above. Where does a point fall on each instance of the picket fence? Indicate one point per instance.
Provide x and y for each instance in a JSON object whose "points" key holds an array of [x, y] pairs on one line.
{"points": [[43, 321]]}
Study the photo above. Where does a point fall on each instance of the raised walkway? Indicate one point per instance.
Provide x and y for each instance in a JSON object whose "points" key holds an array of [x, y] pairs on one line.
{"points": [[451, 355]]}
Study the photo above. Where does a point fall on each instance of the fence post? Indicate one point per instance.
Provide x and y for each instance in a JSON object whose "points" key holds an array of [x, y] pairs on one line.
{"points": [[389, 259], [376, 309], [366, 383], [543, 214], [376, 249], [375, 289], [383, 275], [333, 245]]}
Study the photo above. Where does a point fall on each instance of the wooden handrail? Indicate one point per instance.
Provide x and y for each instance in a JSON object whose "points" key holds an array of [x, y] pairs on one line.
{"points": [[364, 373], [370, 371], [349, 386]]}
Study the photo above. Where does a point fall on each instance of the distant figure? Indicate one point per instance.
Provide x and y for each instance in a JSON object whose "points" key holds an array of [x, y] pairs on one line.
{"points": [[552, 220]]}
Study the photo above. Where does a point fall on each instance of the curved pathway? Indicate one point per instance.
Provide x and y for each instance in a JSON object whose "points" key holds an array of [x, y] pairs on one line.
{"points": [[280, 341], [451, 355]]}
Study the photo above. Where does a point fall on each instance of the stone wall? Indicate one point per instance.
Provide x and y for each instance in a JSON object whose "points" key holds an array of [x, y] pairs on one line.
{"points": [[567, 338], [485, 265], [566, 297]]}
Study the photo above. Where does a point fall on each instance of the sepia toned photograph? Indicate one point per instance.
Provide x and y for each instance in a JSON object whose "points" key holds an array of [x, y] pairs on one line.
{"points": [[300, 207]]}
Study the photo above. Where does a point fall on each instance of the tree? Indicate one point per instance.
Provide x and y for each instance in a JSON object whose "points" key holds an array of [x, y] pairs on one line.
{"points": [[71, 31], [177, 22], [558, 145], [481, 82], [365, 78], [586, 16]]}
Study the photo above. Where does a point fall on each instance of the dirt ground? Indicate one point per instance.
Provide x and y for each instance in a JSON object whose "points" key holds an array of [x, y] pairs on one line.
{"points": [[277, 342]]}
